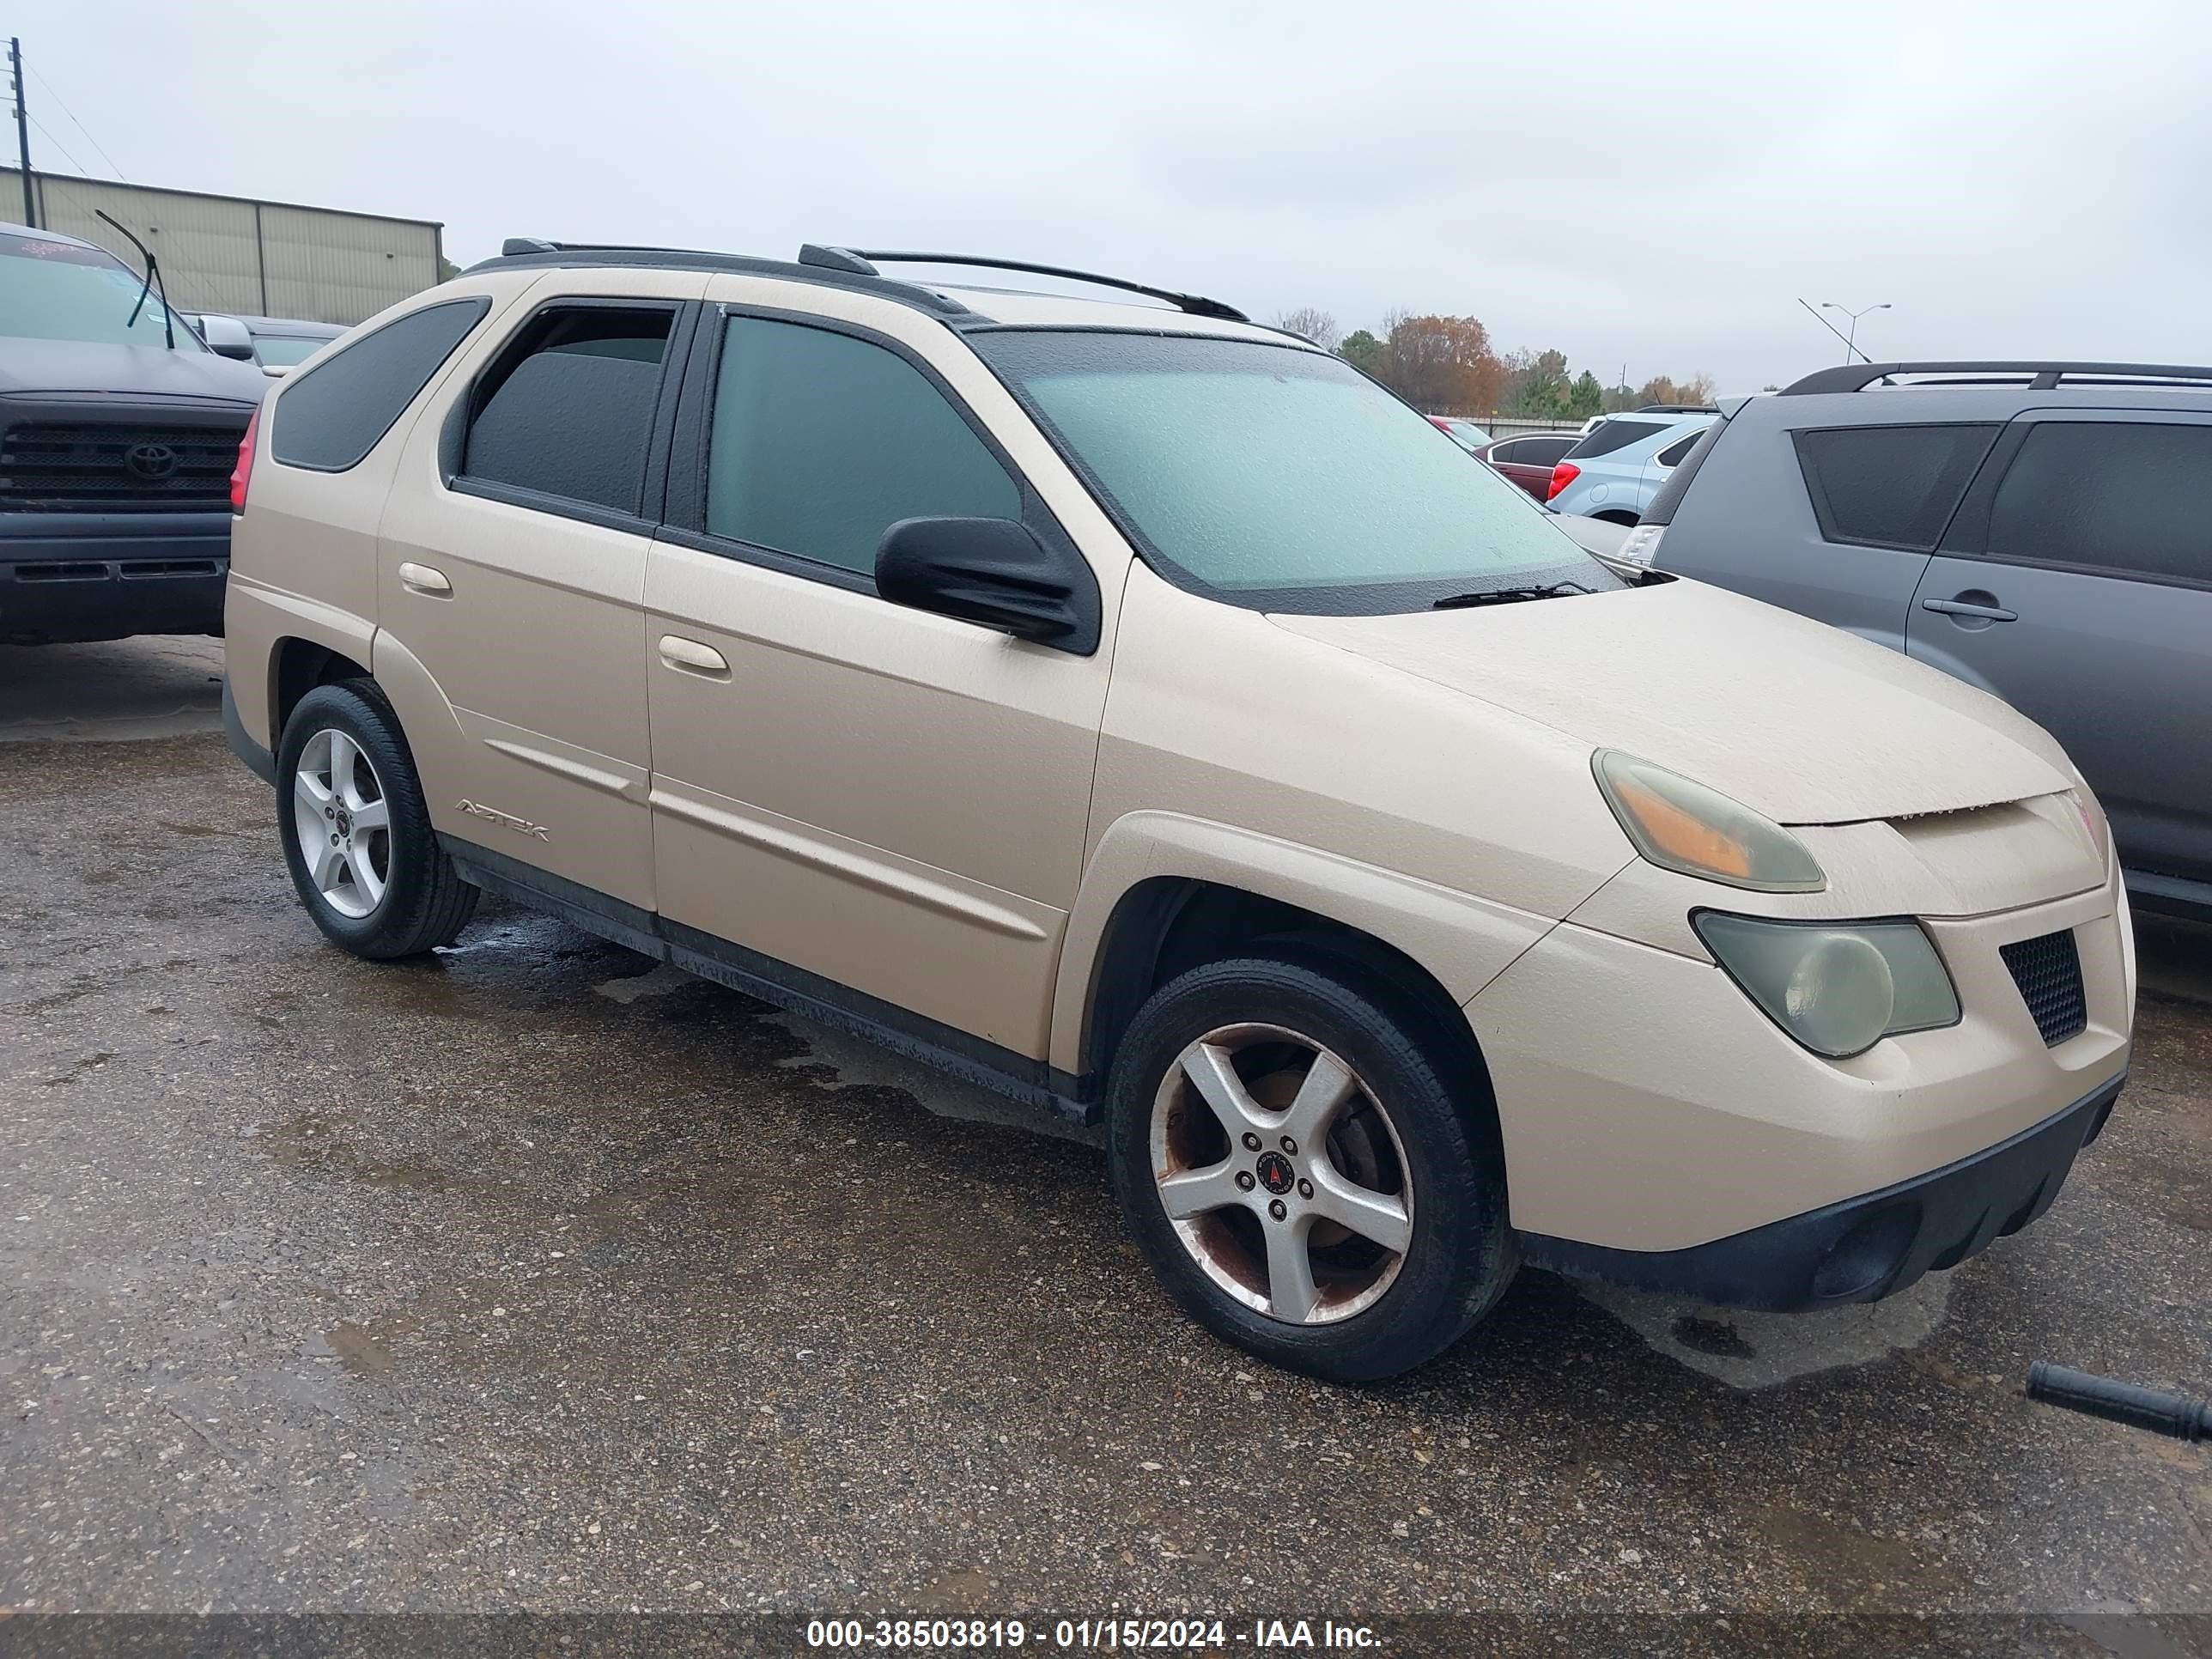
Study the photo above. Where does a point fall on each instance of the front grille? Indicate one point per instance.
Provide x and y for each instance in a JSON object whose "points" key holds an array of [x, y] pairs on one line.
{"points": [[54, 466], [2048, 971]]}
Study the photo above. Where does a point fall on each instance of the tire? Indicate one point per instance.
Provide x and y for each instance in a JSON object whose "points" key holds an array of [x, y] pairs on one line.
{"points": [[387, 889], [1360, 1318]]}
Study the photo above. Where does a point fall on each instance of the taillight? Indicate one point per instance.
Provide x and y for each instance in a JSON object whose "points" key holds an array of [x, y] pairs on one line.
{"points": [[1562, 475], [242, 474]]}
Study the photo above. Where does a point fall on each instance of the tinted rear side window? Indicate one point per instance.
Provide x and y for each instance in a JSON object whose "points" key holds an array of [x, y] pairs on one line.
{"points": [[1612, 435], [331, 417], [568, 409], [1541, 451], [1890, 486], [2109, 495], [821, 442], [1678, 452]]}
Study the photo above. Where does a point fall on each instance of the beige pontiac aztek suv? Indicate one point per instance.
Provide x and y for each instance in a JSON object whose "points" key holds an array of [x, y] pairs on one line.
{"points": [[1141, 712]]}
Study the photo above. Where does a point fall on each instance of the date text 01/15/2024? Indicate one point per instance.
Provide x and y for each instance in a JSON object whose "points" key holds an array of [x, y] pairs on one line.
{"points": [[1095, 1635]]}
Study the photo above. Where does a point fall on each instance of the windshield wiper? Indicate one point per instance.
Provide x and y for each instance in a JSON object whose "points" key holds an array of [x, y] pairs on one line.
{"points": [[1506, 596], [152, 279]]}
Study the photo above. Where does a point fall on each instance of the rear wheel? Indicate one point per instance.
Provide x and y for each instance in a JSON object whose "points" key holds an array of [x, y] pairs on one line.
{"points": [[357, 835], [1305, 1168]]}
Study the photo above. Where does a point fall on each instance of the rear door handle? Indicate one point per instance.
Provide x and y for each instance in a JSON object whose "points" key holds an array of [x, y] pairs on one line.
{"points": [[1967, 608], [679, 652], [423, 579]]}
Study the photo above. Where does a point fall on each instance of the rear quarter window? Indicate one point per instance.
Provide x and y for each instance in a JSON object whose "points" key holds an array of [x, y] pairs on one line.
{"points": [[331, 417], [1890, 486]]}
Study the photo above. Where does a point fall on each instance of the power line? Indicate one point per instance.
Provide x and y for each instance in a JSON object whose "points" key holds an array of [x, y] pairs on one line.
{"points": [[63, 105], [57, 144]]}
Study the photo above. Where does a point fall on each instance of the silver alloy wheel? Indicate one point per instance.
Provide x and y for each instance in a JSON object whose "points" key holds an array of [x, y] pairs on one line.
{"points": [[344, 822], [1282, 1174]]}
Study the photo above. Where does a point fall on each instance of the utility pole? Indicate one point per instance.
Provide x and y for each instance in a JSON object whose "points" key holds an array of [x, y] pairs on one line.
{"points": [[22, 130]]}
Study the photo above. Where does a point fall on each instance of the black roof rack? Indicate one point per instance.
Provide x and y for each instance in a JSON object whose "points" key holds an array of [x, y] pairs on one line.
{"points": [[1676, 408], [2040, 376], [862, 262], [532, 250]]}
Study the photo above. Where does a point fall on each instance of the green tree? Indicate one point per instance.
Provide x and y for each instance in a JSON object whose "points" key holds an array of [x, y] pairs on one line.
{"points": [[1537, 386], [1363, 351], [1586, 398]]}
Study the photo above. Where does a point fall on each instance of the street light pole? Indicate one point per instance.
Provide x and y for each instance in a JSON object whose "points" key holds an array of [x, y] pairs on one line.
{"points": [[1852, 339]]}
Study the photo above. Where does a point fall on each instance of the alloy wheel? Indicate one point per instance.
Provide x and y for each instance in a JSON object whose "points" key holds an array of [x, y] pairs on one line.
{"points": [[1282, 1174], [343, 822]]}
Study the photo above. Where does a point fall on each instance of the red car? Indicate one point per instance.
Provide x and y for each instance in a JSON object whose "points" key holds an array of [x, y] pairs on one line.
{"points": [[1528, 460]]}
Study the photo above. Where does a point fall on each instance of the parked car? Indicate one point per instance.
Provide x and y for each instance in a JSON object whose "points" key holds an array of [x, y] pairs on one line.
{"points": [[278, 344], [1617, 467], [2043, 531], [1466, 434], [1055, 689], [118, 428], [1528, 460]]}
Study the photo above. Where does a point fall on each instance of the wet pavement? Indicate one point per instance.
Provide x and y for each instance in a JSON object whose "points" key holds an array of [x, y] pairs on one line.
{"points": [[535, 1276]]}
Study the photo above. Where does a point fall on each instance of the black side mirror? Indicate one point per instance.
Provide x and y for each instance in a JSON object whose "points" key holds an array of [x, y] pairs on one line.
{"points": [[994, 572]]}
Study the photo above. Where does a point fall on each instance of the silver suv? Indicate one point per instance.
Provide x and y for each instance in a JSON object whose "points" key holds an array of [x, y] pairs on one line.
{"points": [[2043, 531]]}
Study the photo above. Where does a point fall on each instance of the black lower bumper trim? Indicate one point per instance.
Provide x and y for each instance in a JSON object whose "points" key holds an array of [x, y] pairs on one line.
{"points": [[1862, 1248]]}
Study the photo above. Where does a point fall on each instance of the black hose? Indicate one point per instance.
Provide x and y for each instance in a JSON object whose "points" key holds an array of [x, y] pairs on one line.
{"points": [[2121, 1402]]}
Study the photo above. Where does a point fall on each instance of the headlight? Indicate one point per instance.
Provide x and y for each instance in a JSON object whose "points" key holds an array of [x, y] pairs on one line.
{"points": [[1683, 826], [1837, 990], [2093, 818]]}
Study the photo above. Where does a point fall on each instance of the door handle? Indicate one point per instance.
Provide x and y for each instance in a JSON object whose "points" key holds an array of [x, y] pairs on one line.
{"points": [[1968, 608], [679, 652], [421, 579]]}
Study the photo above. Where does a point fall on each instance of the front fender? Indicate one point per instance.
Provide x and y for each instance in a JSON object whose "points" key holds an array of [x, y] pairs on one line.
{"points": [[1464, 941]]}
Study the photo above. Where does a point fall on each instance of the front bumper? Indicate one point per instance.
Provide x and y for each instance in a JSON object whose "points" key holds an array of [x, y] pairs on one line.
{"points": [[109, 575], [1862, 1248]]}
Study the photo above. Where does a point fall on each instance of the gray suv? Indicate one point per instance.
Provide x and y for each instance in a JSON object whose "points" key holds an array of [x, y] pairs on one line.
{"points": [[2043, 531]]}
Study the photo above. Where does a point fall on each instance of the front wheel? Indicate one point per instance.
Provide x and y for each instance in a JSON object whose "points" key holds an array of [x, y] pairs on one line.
{"points": [[1307, 1169], [356, 832]]}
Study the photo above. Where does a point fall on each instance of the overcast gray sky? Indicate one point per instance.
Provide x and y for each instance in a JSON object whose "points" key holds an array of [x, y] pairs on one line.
{"points": [[1652, 185]]}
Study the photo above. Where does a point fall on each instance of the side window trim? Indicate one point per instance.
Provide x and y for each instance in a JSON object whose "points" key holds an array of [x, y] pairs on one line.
{"points": [[685, 521], [453, 437]]}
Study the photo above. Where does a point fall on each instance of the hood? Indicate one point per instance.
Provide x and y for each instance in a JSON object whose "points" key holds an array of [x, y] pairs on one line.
{"points": [[126, 371], [1803, 722]]}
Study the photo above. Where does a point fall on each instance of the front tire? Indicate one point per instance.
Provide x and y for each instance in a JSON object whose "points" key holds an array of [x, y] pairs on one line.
{"points": [[357, 831], [1309, 1167]]}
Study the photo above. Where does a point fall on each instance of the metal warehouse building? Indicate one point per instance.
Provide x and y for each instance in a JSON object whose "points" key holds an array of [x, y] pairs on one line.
{"points": [[232, 253]]}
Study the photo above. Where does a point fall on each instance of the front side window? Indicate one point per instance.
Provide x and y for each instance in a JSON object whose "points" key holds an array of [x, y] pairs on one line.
{"points": [[331, 417], [57, 290], [1280, 478], [1890, 486], [822, 441], [568, 410], [2135, 497]]}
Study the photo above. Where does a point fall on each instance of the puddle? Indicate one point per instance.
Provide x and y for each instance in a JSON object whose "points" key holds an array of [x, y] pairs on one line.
{"points": [[851, 1060], [1760, 1351], [657, 981]]}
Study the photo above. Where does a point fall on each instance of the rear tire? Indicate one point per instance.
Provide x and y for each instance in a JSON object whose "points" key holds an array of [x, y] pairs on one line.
{"points": [[1239, 1222], [356, 830]]}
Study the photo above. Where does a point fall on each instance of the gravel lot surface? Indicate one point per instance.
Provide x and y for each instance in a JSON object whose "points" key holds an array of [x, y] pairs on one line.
{"points": [[535, 1277]]}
